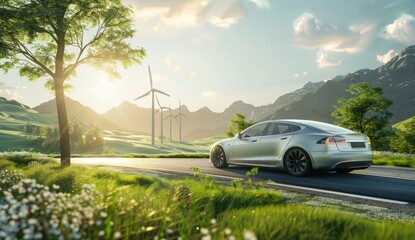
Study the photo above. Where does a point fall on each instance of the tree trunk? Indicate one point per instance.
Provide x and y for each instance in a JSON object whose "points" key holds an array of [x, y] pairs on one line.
{"points": [[63, 124]]}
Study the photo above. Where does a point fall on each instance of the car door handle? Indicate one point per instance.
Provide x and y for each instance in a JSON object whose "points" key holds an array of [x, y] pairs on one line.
{"points": [[283, 138], [254, 140]]}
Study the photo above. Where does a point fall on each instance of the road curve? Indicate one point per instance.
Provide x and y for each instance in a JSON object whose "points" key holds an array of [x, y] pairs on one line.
{"points": [[391, 183]]}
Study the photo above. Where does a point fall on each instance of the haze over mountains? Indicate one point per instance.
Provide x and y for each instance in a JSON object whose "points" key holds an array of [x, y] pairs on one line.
{"points": [[313, 101]]}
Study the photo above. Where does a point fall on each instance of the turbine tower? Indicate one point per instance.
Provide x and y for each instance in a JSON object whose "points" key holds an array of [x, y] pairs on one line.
{"points": [[180, 120], [161, 108], [170, 116], [152, 91]]}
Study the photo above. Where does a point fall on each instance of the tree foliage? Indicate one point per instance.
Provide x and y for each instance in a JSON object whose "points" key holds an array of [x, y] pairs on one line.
{"points": [[238, 124], [46, 138], [404, 140], [366, 112], [49, 39]]}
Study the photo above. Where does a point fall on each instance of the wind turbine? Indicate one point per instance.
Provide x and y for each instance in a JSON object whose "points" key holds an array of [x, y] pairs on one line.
{"points": [[161, 118], [152, 91], [180, 114], [170, 116]]}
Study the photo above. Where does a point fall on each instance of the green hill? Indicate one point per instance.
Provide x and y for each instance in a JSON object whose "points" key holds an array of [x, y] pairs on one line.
{"points": [[14, 116], [401, 125]]}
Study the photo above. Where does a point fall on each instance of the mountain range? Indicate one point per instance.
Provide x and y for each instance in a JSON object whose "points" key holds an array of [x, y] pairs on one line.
{"points": [[313, 101], [396, 78]]}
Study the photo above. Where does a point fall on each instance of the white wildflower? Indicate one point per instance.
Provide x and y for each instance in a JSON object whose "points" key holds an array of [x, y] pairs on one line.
{"points": [[204, 231], [117, 235], [249, 235]]}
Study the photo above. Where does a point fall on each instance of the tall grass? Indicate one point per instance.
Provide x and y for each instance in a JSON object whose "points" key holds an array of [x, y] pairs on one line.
{"points": [[84, 203]]}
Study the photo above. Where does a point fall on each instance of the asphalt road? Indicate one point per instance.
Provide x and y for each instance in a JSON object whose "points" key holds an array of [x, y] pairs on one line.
{"points": [[389, 183]]}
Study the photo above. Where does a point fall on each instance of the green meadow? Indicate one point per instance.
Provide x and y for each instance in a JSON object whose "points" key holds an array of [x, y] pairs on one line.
{"points": [[89, 203]]}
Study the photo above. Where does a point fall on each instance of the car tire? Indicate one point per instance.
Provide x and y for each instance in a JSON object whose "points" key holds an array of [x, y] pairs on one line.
{"points": [[297, 162], [218, 157], [344, 171]]}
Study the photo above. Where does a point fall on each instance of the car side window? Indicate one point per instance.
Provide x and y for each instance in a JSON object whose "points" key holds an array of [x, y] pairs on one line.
{"points": [[255, 131], [273, 129], [295, 128], [284, 128]]}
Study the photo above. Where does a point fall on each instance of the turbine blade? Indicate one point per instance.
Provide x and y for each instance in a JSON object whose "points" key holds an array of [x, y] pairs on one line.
{"points": [[145, 94], [158, 102], [156, 90], [180, 114], [151, 79]]}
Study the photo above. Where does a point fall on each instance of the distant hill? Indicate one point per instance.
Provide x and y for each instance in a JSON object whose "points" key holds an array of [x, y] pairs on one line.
{"points": [[79, 111], [396, 78], [13, 116], [400, 125]]}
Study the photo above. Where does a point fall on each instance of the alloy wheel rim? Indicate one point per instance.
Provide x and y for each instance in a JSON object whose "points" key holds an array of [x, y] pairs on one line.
{"points": [[219, 156], [297, 162]]}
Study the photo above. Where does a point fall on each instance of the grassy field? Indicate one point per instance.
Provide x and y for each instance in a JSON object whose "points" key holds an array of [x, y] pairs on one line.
{"points": [[80, 202], [393, 159], [132, 143]]}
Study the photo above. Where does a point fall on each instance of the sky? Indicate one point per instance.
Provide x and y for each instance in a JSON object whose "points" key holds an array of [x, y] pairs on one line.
{"points": [[211, 53]]}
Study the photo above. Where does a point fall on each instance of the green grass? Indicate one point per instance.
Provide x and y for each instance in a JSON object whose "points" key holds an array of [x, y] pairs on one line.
{"points": [[143, 207], [393, 159]]}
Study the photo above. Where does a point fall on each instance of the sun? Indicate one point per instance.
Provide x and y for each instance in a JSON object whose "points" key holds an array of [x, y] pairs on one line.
{"points": [[95, 89]]}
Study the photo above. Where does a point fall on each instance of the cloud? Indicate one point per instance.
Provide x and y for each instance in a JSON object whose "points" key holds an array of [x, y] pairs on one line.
{"points": [[192, 74], [172, 64], [191, 13], [297, 75], [402, 29], [209, 94], [387, 56], [325, 60], [158, 78], [311, 33], [8, 92], [261, 3]]}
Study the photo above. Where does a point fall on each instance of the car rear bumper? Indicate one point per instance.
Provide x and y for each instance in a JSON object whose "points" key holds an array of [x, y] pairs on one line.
{"points": [[334, 160]]}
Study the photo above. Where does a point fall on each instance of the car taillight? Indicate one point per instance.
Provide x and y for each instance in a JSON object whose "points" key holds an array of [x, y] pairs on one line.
{"points": [[333, 140]]}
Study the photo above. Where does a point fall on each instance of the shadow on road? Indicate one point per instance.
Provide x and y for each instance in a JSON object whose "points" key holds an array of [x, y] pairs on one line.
{"points": [[361, 184]]}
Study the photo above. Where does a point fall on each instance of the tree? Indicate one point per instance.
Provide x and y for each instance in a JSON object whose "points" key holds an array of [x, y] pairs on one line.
{"points": [[404, 140], [75, 132], [365, 112], [93, 141], [50, 39], [238, 124]]}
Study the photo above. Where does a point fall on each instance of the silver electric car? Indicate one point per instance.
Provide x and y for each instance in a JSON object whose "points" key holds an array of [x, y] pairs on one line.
{"points": [[298, 146]]}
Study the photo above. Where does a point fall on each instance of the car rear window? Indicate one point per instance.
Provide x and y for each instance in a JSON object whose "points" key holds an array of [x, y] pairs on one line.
{"points": [[328, 127]]}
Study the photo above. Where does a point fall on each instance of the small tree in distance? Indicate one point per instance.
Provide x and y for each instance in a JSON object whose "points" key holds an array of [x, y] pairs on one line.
{"points": [[51, 38], [365, 112], [238, 124]]}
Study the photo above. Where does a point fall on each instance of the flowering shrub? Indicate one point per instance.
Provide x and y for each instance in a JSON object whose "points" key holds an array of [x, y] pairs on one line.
{"points": [[29, 210]]}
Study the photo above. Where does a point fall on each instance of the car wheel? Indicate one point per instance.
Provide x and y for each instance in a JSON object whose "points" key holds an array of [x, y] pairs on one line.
{"points": [[297, 162], [343, 171], [218, 157]]}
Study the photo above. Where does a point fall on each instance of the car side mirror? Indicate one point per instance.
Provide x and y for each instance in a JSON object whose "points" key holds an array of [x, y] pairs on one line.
{"points": [[239, 135]]}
